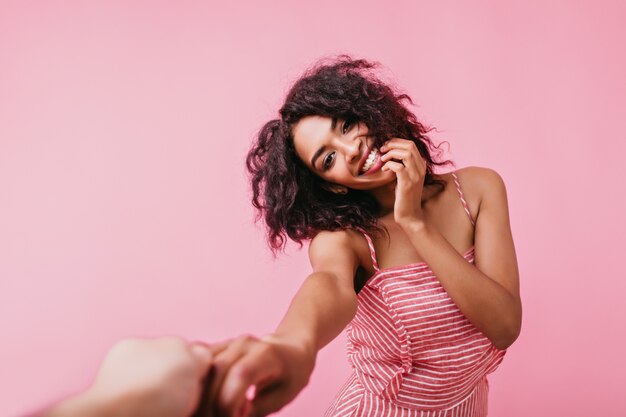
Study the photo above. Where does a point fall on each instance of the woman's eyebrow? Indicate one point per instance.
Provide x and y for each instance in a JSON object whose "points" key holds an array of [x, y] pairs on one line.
{"points": [[333, 125], [317, 155]]}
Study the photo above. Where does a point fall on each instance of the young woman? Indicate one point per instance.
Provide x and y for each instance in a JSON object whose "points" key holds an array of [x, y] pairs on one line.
{"points": [[419, 266]]}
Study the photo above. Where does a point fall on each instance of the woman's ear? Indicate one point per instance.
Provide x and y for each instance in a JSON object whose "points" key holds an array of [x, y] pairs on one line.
{"points": [[335, 188]]}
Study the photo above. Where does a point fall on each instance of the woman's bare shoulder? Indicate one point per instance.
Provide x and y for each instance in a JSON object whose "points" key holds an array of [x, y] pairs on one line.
{"points": [[476, 181], [341, 240], [476, 173], [338, 245]]}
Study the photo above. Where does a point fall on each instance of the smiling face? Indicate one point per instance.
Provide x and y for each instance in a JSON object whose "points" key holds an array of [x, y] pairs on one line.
{"points": [[340, 152]]}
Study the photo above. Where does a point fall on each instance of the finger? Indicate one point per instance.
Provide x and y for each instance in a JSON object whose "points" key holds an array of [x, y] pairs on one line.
{"points": [[201, 352], [394, 166], [270, 400], [259, 368], [205, 407], [399, 154], [403, 146], [203, 355], [410, 160], [399, 143], [401, 172], [396, 153], [221, 364], [219, 347]]}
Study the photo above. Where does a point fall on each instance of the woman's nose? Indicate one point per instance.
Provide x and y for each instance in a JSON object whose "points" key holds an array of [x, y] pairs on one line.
{"points": [[351, 150]]}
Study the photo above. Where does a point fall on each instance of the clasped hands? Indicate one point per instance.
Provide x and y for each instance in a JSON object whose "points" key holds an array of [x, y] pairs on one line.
{"points": [[246, 376], [170, 377], [255, 377]]}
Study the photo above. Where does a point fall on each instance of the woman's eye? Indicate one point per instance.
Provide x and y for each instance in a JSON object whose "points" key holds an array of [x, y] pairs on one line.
{"points": [[346, 126], [328, 160]]}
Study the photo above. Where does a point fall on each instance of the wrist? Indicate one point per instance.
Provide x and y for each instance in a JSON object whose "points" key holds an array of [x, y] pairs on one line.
{"points": [[103, 404], [413, 225], [303, 348], [87, 403]]}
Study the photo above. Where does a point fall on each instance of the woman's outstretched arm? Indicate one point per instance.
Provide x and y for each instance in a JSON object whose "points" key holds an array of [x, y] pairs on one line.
{"points": [[279, 365]]}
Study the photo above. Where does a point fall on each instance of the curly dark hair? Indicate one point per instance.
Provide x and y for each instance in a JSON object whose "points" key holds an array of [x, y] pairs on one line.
{"points": [[289, 196]]}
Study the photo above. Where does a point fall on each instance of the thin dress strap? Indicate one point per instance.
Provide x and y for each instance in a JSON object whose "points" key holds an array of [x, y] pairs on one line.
{"points": [[458, 188], [372, 250]]}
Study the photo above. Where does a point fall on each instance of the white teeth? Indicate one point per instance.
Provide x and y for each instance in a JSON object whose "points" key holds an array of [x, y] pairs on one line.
{"points": [[370, 160]]}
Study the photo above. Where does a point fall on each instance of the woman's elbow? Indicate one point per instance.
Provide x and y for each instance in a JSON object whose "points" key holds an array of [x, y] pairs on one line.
{"points": [[506, 341], [509, 333]]}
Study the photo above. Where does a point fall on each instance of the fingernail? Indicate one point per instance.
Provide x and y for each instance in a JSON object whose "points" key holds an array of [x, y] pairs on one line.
{"points": [[201, 351], [251, 392]]}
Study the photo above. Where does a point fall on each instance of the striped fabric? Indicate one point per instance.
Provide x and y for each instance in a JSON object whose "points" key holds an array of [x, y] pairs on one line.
{"points": [[412, 351], [458, 187]]}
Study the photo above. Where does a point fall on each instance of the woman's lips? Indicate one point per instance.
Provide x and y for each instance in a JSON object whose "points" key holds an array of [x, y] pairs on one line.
{"points": [[363, 160], [376, 166], [367, 160]]}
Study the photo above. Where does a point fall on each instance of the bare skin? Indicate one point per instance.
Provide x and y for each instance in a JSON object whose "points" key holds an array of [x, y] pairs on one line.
{"points": [[153, 377], [423, 226]]}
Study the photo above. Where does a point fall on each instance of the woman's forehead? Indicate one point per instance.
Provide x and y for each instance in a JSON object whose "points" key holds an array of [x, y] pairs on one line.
{"points": [[310, 132]]}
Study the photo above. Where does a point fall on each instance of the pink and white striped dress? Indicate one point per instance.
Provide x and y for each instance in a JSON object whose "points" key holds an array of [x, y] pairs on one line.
{"points": [[413, 353]]}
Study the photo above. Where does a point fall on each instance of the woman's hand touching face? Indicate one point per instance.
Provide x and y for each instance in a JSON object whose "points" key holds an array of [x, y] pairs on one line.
{"points": [[402, 157]]}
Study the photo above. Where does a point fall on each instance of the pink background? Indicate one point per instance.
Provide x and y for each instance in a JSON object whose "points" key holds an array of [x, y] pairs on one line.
{"points": [[124, 207]]}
